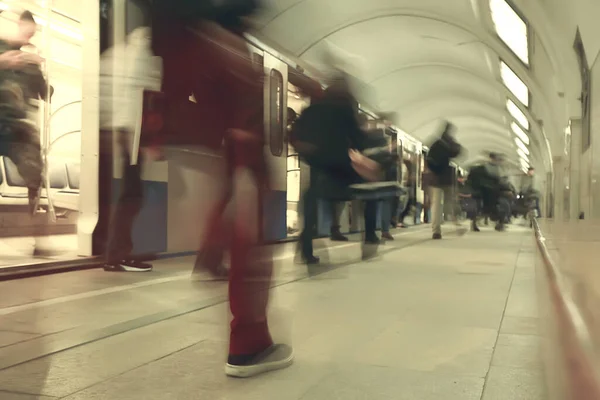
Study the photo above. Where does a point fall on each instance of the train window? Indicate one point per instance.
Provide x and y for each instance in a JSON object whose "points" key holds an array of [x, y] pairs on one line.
{"points": [[73, 172], [57, 177], [13, 177], [276, 124]]}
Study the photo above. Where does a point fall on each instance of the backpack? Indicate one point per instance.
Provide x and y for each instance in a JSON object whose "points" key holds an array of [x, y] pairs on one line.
{"points": [[438, 157]]}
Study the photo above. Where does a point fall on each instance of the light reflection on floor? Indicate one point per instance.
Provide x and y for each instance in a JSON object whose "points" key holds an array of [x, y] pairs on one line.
{"points": [[19, 250]]}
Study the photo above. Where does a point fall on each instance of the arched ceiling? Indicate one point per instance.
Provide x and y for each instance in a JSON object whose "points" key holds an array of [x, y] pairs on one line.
{"points": [[426, 61]]}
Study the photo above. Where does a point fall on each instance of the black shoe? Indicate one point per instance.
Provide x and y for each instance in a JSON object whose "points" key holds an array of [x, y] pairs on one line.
{"points": [[387, 236], [500, 227], [337, 236], [311, 260], [372, 240], [276, 357], [128, 266], [474, 227], [437, 236]]}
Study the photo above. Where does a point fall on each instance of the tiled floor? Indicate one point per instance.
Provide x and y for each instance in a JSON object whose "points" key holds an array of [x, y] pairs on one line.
{"points": [[450, 319]]}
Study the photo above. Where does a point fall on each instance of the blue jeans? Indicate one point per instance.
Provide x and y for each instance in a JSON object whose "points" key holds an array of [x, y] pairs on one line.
{"points": [[386, 215]]}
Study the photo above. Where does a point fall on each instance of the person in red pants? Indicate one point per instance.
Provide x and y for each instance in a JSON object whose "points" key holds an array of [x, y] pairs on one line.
{"points": [[214, 65]]}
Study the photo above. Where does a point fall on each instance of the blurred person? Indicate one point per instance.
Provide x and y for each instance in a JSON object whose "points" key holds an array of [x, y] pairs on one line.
{"points": [[495, 193], [21, 84], [337, 210], [528, 191], [409, 183], [387, 205], [468, 200], [438, 159], [126, 70], [329, 137], [204, 53]]}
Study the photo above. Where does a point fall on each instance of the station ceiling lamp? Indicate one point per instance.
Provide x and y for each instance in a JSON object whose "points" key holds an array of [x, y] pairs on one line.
{"points": [[521, 146], [520, 133], [517, 114], [522, 154], [524, 164]]}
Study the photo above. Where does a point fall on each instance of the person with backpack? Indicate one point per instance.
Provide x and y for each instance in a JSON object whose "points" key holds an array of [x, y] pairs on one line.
{"points": [[205, 55], [441, 152], [329, 137]]}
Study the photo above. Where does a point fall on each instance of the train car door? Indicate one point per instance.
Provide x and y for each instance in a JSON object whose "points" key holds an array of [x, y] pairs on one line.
{"points": [[276, 78]]}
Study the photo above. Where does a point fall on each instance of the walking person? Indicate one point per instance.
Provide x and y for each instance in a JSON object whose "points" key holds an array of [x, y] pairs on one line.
{"points": [[205, 54], [132, 66], [441, 152]]}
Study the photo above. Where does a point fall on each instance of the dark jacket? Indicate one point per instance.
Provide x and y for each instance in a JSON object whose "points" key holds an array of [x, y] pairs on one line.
{"points": [[438, 158], [327, 129]]}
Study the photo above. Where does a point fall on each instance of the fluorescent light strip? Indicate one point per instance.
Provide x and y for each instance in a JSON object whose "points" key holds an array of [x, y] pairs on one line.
{"points": [[524, 163], [522, 154], [520, 133], [521, 146], [517, 114], [512, 81], [511, 28]]}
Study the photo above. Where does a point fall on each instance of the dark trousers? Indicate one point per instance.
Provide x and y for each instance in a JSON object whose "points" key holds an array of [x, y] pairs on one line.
{"points": [[309, 201], [120, 243], [406, 211]]}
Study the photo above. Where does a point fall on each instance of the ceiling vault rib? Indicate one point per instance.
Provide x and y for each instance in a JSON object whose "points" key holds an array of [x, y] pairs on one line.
{"points": [[489, 40]]}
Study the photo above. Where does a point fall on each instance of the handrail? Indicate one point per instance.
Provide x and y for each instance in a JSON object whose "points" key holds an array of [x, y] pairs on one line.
{"points": [[60, 137], [579, 353], [63, 107]]}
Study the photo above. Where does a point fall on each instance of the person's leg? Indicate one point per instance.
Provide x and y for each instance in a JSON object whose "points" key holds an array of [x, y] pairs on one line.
{"points": [[473, 212], [25, 152], [450, 204], [251, 348], [337, 209], [129, 204], [503, 208], [309, 205], [371, 221], [406, 211], [386, 219], [211, 251], [237, 89], [395, 204], [437, 197]]}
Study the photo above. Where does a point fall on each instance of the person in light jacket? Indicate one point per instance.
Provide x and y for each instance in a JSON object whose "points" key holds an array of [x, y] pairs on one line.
{"points": [[125, 71]]}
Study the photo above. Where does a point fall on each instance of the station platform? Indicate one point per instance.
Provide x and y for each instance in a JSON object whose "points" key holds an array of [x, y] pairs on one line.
{"points": [[450, 319]]}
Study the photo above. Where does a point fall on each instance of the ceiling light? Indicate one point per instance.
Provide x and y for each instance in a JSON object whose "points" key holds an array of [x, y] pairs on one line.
{"points": [[522, 154], [511, 28], [520, 133], [514, 83], [524, 163], [521, 146], [517, 114]]}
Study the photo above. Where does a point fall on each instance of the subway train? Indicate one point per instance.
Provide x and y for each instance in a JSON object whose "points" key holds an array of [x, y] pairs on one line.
{"points": [[183, 188], [287, 85]]}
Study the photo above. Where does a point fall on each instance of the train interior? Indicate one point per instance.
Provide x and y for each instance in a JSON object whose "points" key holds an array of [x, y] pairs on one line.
{"points": [[59, 41]]}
